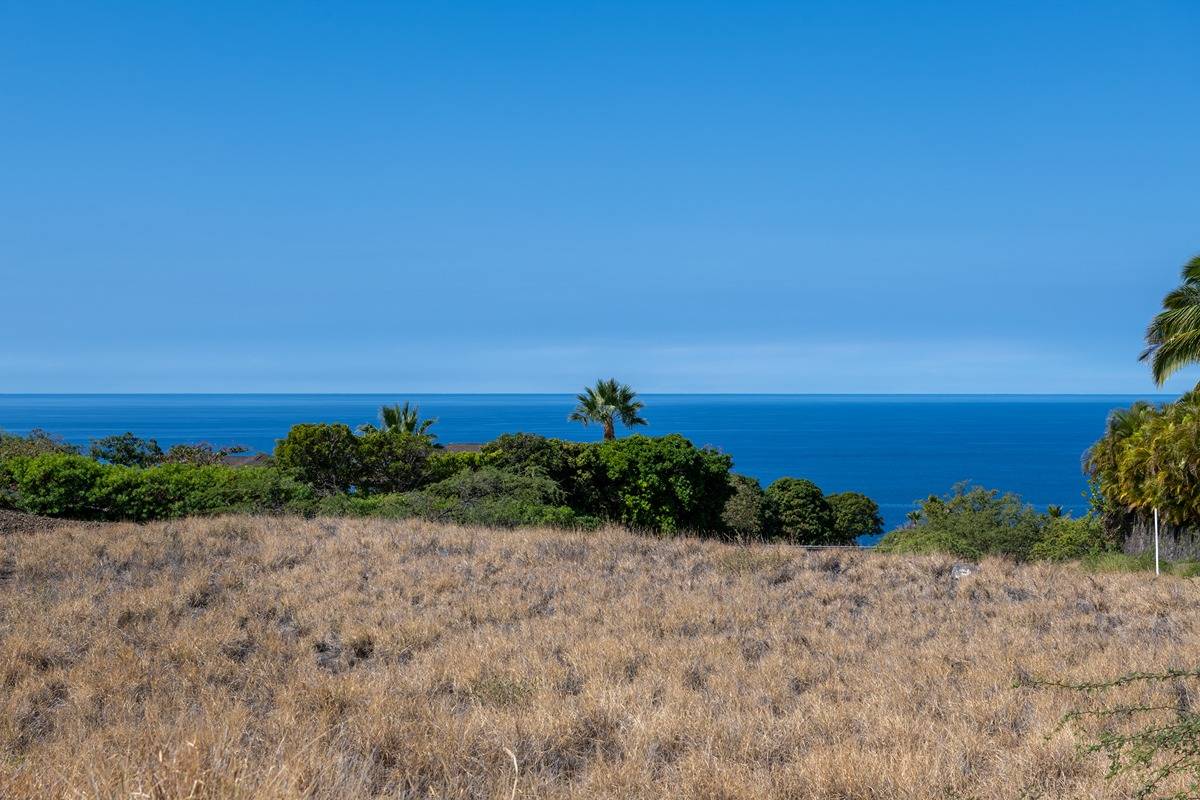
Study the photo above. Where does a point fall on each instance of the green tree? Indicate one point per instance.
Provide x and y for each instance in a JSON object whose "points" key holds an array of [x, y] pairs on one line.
{"points": [[605, 403], [799, 512], [325, 456], [745, 513], [854, 515], [127, 450], [402, 419], [662, 484], [34, 443], [1173, 338], [971, 522], [393, 461]]}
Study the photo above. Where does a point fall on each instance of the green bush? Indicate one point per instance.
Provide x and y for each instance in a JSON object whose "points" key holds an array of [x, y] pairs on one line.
{"points": [[970, 522], [325, 456], [126, 450], [1069, 539], [62, 485], [662, 484], [854, 515], [394, 506], [53, 484], [199, 453], [488, 496], [799, 512], [34, 443], [443, 464], [392, 461], [745, 514]]}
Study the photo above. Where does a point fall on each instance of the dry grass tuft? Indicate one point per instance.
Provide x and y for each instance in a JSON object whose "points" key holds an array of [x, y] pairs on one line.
{"points": [[281, 658]]}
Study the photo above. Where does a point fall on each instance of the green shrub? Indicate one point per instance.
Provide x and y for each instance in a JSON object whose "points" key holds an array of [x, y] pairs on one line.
{"points": [[392, 461], [745, 514], [62, 485], [854, 515], [970, 522], [488, 496], [199, 453], [1069, 539], [126, 450], [443, 464], [799, 512], [325, 456], [531, 454], [394, 506], [53, 484], [491, 496], [662, 484], [34, 443]]}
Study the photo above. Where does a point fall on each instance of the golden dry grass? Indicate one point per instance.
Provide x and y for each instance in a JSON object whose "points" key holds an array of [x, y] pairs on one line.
{"points": [[280, 658]]}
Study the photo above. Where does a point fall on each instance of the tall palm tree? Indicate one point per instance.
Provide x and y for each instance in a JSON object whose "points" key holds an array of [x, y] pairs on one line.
{"points": [[402, 419], [605, 403], [1173, 338]]}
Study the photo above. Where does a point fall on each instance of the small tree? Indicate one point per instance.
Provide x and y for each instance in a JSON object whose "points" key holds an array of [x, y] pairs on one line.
{"points": [[799, 512], [605, 403], [745, 511], [393, 461], [127, 450], [854, 515], [325, 456], [200, 453]]}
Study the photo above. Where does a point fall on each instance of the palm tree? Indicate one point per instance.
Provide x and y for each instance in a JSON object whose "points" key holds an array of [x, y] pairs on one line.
{"points": [[402, 419], [607, 402], [1173, 338]]}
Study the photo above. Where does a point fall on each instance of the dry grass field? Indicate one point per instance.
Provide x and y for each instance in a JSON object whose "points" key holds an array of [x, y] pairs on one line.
{"points": [[281, 658]]}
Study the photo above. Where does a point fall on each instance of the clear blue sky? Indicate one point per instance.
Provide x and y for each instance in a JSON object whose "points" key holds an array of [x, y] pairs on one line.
{"points": [[524, 196]]}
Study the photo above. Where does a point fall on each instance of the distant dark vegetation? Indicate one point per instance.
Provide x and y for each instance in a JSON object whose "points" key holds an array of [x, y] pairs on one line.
{"points": [[661, 485]]}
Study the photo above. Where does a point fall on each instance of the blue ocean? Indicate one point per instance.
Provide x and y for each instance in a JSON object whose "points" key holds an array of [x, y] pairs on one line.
{"points": [[895, 448]]}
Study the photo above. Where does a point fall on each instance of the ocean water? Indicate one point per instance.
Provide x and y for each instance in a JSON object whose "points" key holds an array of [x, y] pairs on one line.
{"points": [[895, 448]]}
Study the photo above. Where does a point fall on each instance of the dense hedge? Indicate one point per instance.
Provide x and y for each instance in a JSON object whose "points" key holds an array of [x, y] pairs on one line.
{"points": [[68, 485], [972, 522], [656, 484]]}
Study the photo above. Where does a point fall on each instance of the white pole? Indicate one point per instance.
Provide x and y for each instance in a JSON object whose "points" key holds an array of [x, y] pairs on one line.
{"points": [[1156, 541]]}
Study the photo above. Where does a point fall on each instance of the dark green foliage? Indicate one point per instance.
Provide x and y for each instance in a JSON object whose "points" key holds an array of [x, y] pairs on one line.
{"points": [[126, 450], [199, 453], [443, 464], [1065, 538], [1155, 742], [531, 454], [487, 496], [800, 513], [491, 496], [745, 512], [53, 484], [62, 485], [1149, 458], [971, 522], [325, 456], [392, 461], [35, 443], [662, 484], [854, 515]]}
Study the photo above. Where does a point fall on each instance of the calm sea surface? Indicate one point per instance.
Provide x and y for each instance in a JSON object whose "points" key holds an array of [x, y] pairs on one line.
{"points": [[896, 449]]}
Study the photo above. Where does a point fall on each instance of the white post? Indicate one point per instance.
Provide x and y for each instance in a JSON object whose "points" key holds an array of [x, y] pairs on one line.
{"points": [[1155, 541]]}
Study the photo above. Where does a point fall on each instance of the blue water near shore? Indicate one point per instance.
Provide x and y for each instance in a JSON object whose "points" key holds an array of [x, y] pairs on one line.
{"points": [[895, 448]]}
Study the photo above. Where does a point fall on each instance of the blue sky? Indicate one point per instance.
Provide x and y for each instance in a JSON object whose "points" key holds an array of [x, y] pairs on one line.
{"points": [[523, 196]]}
